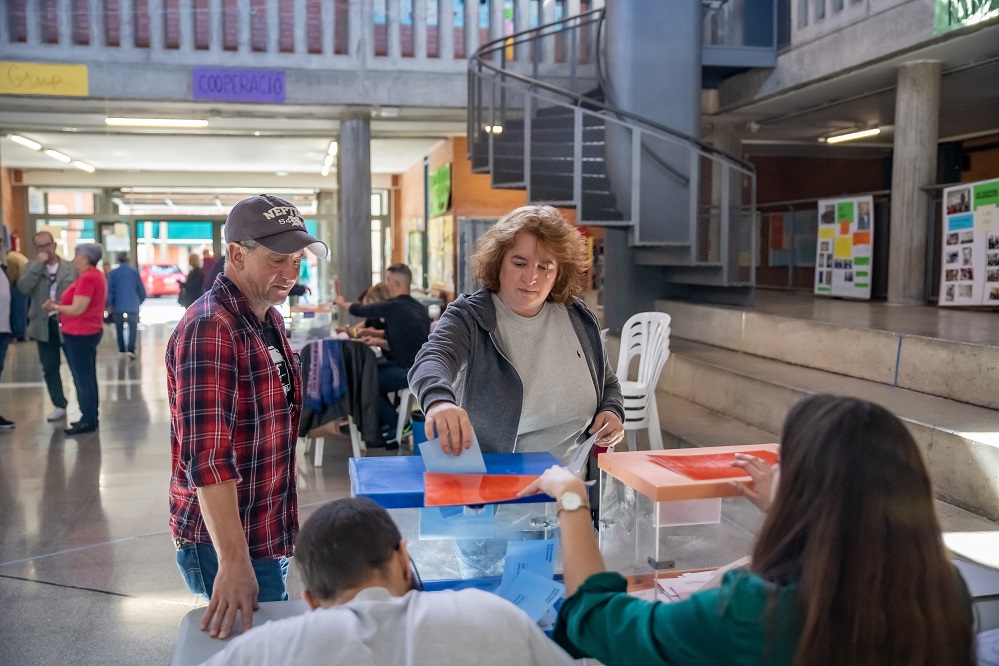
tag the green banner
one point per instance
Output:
(955, 14)
(987, 194)
(440, 191)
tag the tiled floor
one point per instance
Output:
(87, 571)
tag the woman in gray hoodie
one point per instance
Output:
(520, 359)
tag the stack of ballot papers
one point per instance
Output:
(528, 580)
(684, 585)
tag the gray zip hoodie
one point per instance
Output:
(462, 363)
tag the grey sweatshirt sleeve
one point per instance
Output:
(441, 359)
(612, 398)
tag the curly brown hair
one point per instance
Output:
(559, 238)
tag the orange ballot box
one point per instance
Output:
(662, 509)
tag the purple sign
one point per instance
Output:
(238, 85)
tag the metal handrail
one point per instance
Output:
(478, 61)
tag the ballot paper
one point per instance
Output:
(537, 556)
(547, 621)
(988, 648)
(532, 593)
(469, 462)
(681, 587)
(458, 489)
(579, 452)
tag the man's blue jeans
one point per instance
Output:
(132, 320)
(390, 378)
(199, 565)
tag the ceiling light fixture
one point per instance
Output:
(56, 155)
(83, 166)
(325, 171)
(333, 148)
(156, 122)
(27, 143)
(328, 161)
(494, 129)
(852, 136)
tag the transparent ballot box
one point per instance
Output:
(457, 543)
(662, 510)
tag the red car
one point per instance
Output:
(160, 279)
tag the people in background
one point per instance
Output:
(6, 309)
(848, 568)
(125, 294)
(407, 326)
(523, 344)
(368, 606)
(372, 326)
(210, 268)
(81, 317)
(235, 400)
(47, 278)
(193, 286)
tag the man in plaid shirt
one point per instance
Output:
(235, 401)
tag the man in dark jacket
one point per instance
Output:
(407, 327)
(125, 294)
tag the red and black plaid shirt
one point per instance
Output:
(230, 419)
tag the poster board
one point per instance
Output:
(845, 247)
(969, 260)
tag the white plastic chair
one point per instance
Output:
(318, 444)
(405, 413)
(646, 336)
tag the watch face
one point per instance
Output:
(571, 501)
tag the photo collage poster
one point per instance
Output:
(845, 247)
(969, 262)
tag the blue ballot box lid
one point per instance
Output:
(396, 482)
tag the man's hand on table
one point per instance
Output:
(235, 590)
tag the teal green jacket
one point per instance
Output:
(726, 625)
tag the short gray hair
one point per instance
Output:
(92, 251)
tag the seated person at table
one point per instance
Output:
(848, 568)
(368, 608)
(407, 326)
(372, 327)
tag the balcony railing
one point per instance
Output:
(432, 35)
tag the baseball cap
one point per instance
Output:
(272, 222)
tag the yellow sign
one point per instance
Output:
(36, 78)
(827, 232)
(843, 248)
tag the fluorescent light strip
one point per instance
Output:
(155, 122)
(84, 166)
(852, 136)
(325, 171)
(27, 143)
(333, 148)
(56, 155)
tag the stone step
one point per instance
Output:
(959, 441)
(950, 369)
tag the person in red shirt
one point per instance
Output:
(235, 401)
(81, 320)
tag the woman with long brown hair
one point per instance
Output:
(849, 567)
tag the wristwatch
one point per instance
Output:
(570, 501)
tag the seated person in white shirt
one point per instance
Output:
(367, 607)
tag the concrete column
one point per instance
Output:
(353, 234)
(917, 105)
(445, 30)
(640, 37)
(725, 136)
(245, 26)
(420, 29)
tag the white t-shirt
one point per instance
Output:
(559, 397)
(434, 628)
(52, 270)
